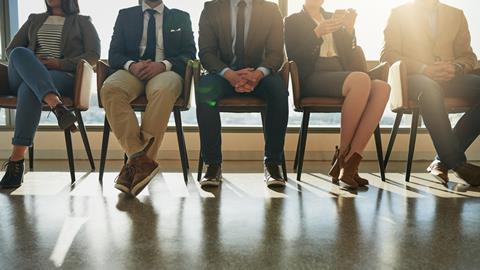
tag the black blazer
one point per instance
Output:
(79, 39)
(177, 38)
(303, 46)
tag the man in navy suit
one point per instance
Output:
(150, 47)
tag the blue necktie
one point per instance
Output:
(151, 49)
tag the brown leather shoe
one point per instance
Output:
(469, 172)
(213, 176)
(439, 170)
(145, 170)
(273, 176)
(125, 178)
(348, 169)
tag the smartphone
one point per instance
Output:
(340, 14)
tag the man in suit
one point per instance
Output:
(150, 47)
(242, 48)
(433, 40)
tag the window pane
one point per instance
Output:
(2, 117)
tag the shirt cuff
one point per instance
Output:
(264, 70)
(127, 65)
(222, 73)
(168, 65)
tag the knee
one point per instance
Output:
(361, 81)
(20, 53)
(381, 89)
(209, 89)
(110, 92)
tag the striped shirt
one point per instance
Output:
(49, 38)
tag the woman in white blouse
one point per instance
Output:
(42, 59)
(322, 43)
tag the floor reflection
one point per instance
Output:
(312, 224)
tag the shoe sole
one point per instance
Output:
(211, 184)
(122, 188)
(440, 179)
(276, 184)
(142, 184)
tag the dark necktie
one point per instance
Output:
(240, 36)
(151, 49)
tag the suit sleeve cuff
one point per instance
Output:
(168, 65)
(222, 73)
(127, 65)
(264, 70)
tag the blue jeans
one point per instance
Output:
(450, 144)
(31, 81)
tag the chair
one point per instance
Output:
(310, 105)
(401, 104)
(244, 104)
(80, 103)
(139, 105)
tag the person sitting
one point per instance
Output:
(42, 60)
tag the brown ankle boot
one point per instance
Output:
(145, 170)
(349, 170)
(335, 170)
(361, 181)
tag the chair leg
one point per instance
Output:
(86, 143)
(378, 143)
(200, 166)
(31, 151)
(103, 155)
(71, 163)
(181, 143)
(303, 143)
(393, 136)
(295, 163)
(411, 146)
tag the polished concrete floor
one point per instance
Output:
(313, 224)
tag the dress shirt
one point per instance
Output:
(160, 53)
(233, 22)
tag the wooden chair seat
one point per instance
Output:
(10, 102)
(140, 103)
(321, 103)
(453, 105)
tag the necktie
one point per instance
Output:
(151, 49)
(240, 36)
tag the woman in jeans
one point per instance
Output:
(322, 43)
(42, 60)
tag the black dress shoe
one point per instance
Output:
(13, 177)
(213, 176)
(469, 173)
(439, 170)
(273, 176)
(66, 119)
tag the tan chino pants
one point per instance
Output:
(120, 89)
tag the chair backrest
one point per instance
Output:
(397, 78)
(3, 78)
(83, 85)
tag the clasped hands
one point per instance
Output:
(244, 80)
(146, 69)
(441, 71)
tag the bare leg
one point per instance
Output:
(52, 100)
(356, 91)
(371, 117)
(18, 153)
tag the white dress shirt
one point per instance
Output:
(160, 53)
(233, 22)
